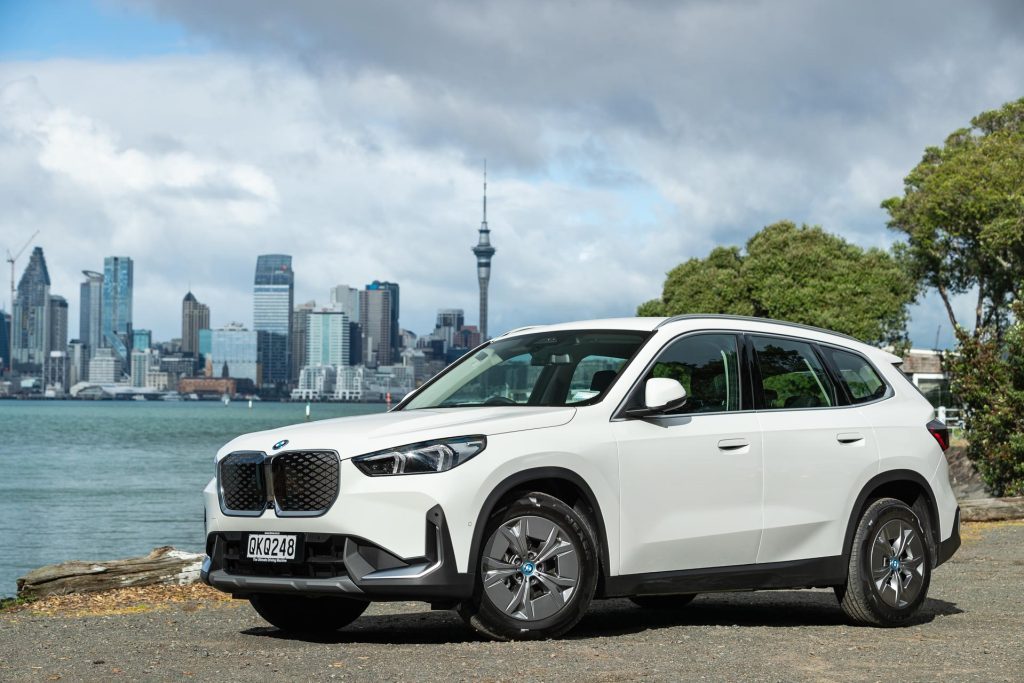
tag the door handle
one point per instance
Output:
(849, 437)
(732, 444)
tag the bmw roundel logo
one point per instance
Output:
(280, 444)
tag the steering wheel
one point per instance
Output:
(499, 401)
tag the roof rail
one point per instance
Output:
(518, 329)
(750, 318)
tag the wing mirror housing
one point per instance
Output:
(661, 395)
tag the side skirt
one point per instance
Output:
(815, 573)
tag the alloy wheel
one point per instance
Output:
(897, 563)
(530, 567)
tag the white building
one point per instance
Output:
(316, 382)
(345, 299)
(327, 338)
(105, 367)
(348, 384)
(143, 361)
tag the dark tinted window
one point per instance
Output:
(707, 366)
(860, 379)
(791, 375)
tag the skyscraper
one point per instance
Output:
(327, 341)
(346, 300)
(30, 344)
(194, 317)
(5, 341)
(90, 319)
(375, 319)
(116, 311)
(273, 299)
(484, 251)
(395, 340)
(300, 321)
(58, 340)
(235, 348)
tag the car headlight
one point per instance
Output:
(421, 458)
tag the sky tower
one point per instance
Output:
(484, 251)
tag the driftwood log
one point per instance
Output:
(991, 509)
(164, 565)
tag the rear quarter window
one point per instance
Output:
(857, 375)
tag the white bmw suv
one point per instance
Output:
(647, 458)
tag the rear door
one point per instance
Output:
(691, 481)
(818, 448)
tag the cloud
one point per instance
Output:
(623, 138)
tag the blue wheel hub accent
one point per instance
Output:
(894, 564)
(527, 568)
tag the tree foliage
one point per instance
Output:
(988, 377)
(962, 212)
(801, 274)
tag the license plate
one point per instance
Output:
(271, 547)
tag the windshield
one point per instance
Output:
(544, 369)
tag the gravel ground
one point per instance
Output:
(971, 628)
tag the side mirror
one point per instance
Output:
(661, 395)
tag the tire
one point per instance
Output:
(545, 593)
(665, 602)
(301, 614)
(890, 566)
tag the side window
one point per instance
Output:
(860, 379)
(791, 375)
(707, 365)
(592, 376)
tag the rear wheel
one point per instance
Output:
(890, 566)
(663, 601)
(301, 614)
(537, 571)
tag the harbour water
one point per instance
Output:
(84, 480)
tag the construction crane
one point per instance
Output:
(11, 258)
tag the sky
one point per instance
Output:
(621, 139)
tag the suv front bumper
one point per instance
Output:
(334, 564)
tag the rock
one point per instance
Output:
(165, 565)
(963, 476)
(991, 509)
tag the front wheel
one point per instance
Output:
(537, 571)
(890, 566)
(301, 614)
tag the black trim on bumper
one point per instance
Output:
(343, 565)
(951, 544)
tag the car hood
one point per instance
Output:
(351, 436)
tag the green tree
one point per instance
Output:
(962, 212)
(800, 274)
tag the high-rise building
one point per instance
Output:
(142, 339)
(235, 348)
(143, 361)
(78, 362)
(58, 324)
(116, 311)
(300, 318)
(484, 251)
(394, 340)
(327, 340)
(55, 373)
(449, 322)
(375, 318)
(90, 319)
(195, 316)
(346, 300)
(104, 367)
(273, 300)
(5, 341)
(30, 345)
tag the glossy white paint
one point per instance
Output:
(705, 490)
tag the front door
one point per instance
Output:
(691, 482)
